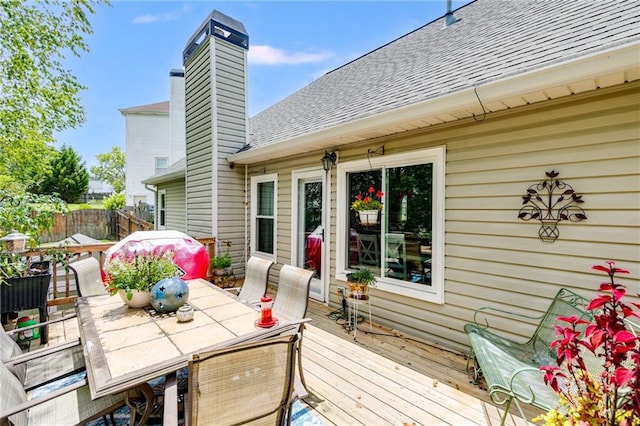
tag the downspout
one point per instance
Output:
(155, 201)
(246, 213)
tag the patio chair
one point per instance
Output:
(88, 277)
(396, 259)
(290, 304)
(70, 404)
(255, 279)
(248, 383)
(368, 251)
(44, 365)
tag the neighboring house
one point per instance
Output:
(454, 123)
(154, 140)
(96, 186)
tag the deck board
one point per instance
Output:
(382, 378)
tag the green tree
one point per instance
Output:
(65, 175)
(38, 95)
(115, 202)
(111, 168)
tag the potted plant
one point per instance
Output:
(359, 282)
(222, 270)
(368, 206)
(24, 283)
(133, 276)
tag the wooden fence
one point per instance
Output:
(99, 224)
(96, 223)
(127, 223)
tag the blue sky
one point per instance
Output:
(291, 43)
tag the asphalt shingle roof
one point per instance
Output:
(493, 40)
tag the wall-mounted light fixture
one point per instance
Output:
(328, 160)
(551, 201)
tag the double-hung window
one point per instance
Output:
(162, 209)
(403, 243)
(263, 213)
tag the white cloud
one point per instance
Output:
(164, 17)
(145, 19)
(267, 55)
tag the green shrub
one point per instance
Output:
(115, 202)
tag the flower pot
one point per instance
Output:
(24, 293)
(224, 277)
(368, 217)
(139, 298)
(358, 290)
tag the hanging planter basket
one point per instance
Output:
(368, 217)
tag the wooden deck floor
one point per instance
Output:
(382, 378)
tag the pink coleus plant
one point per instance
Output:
(612, 397)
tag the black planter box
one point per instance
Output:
(26, 293)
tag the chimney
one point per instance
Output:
(176, 114)
(449, 19)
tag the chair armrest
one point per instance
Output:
(488, 309)
(170, 415)
(235, 290)
(49, 396)
(21, 359)
(40, 324)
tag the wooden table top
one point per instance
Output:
(124, 346)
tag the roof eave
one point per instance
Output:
(584, 68)
(155, 180)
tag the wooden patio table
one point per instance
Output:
(124, 346)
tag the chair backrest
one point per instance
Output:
(88, 277)
(565, 304)
(292, 296)
(396, 256)
(243, 383)
(9, 349)
(255, 279)
(12, 394)
(368, 251)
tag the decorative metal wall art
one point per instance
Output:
(551, 201)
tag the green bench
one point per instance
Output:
(512, 369)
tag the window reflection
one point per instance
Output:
(400, 247)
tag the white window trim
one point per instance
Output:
(255, 180)
(435, 292)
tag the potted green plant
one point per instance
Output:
(222, 270)
(24, 282)
(368, 206)
(133, 276)
(359, 282)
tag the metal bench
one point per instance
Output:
(512, 369)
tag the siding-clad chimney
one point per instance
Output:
(215, 66)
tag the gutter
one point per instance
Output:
(164, 178)
(585, 68)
